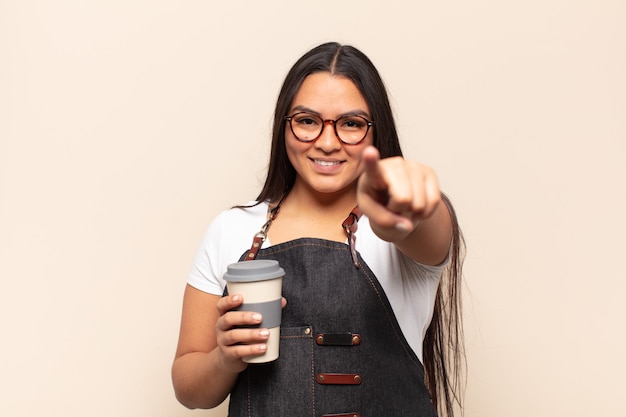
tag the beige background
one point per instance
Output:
(125, 126)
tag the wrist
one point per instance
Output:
(396, 232)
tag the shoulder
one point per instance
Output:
(228, 236)
(235, 224)
(245, 212)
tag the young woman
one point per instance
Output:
(371, 250)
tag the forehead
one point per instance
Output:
(329, 95)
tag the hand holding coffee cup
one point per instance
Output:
(260, 284)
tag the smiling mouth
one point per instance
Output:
(326, 163)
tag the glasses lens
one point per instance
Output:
(306, 127)
(352, 129)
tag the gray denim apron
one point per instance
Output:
(342, 352)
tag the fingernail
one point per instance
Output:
(264, 332)
(236, 298)
(403, 227)
(257, 316)
(263, 347)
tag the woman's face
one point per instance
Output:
(327, 165)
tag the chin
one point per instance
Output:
(332, 188)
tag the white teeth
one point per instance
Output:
(326, 163)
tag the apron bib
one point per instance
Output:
(342, 352)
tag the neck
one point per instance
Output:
(306, 213)
(304, 198)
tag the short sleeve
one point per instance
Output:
(204, 274)
(228, 236)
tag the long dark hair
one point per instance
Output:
(341, 60)
(443, 342)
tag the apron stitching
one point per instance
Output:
(312, 377)
(249, 399)
(390, 319)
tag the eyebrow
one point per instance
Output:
(350, 113)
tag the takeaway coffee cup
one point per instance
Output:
(260, 283)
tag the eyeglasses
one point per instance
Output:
(307, 127)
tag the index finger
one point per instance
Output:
(371, 158)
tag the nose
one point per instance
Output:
(328, 140)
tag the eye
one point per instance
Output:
(306, 120)
(352, 123)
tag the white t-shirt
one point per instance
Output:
(410, 286)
